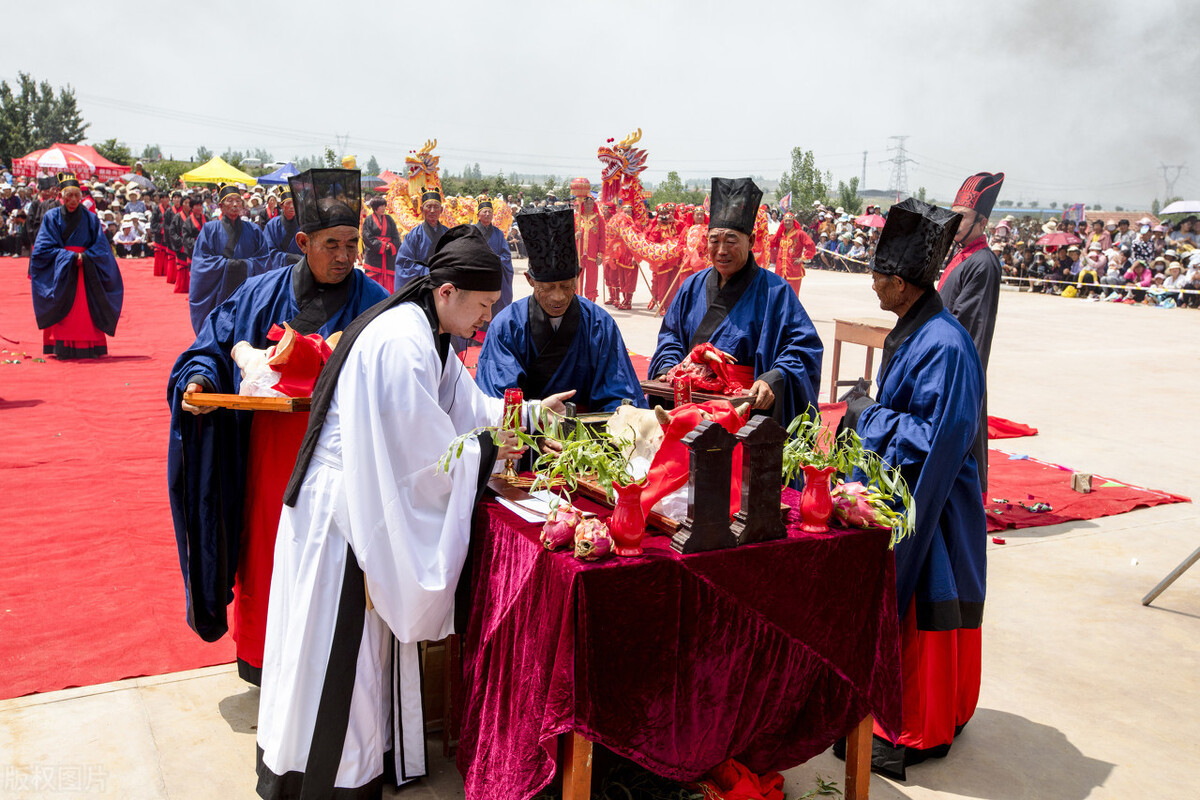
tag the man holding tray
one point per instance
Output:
(227, 470)
(746, 311)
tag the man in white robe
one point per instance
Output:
(373, 536)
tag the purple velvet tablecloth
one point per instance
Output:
(766, 653)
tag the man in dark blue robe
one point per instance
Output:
(280, 233)
(207, 454)
(499, 245)
(228, 251)
(924, 422)
(77, 287)
(555, 340)
(418, 243)
(746, 311)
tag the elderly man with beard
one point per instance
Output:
(77, 287)
(923, 421)
(226, 471)
(228, 251)
(746, 311)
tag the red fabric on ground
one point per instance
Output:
(1013, 481)
(1001, 428)
(88, 564)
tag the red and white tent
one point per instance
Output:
(81, 159)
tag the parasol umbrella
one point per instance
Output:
(870, 221)
(1182, 207)
(140, 180)
(373, 182)
(1058, 239)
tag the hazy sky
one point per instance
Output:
(1075, 101)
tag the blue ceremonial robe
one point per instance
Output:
(54, 270)
(586, 354)
(757, 319)
(206, 455)
(499, 245)
(219, 266)
(929, 402)
(415, 251)
(280, 235)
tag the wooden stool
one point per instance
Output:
(868, 332)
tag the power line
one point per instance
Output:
(900, 161)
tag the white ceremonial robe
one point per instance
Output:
(373, 485)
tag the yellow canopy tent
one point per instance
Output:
(217, 170)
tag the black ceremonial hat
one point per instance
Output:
(485, 203)
(227, 190)
(47, 182)
(327, 198)
(431, 194)
(550, 241)
(734, 204)
(914, 241)
(979, 192)
(66, 179)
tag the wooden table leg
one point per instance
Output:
(834, 369)
(577, 767)
(858, 760)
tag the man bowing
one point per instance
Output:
(374, 533)
(744, 310)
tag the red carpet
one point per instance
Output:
(1017, 482)
(90, 574)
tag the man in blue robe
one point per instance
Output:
(207, 454)
(924, 421)
(746, 311)
(555, 340)
(419, 243)
(228, 251)
(496, 241)
(77, 287)
(280, 233)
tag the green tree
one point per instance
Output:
(373, 166)
(262, 154)
(672, 190)
(33, 116)
(117, 152)
(203, 154)
(233, 157)
(1155, 207)
(1119, 208)
(921, 194)
(307, 162)
(1097, 207)
(151, 152)
(805, 182)
(848, 197)
(331, 159)
(1054, 205)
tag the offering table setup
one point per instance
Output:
(761, 635)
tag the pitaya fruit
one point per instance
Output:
(559, 529)
(856, 506)
(592, 540)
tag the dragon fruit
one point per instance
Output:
(592, 540)
(559, 529)
(858, 507)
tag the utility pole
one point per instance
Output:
(863, 185)
(1169, 183)
(898, 182)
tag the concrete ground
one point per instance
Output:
(1086, 693)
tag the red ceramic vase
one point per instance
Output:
(627, 525)
(816, 504)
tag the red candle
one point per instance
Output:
(513, 400)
